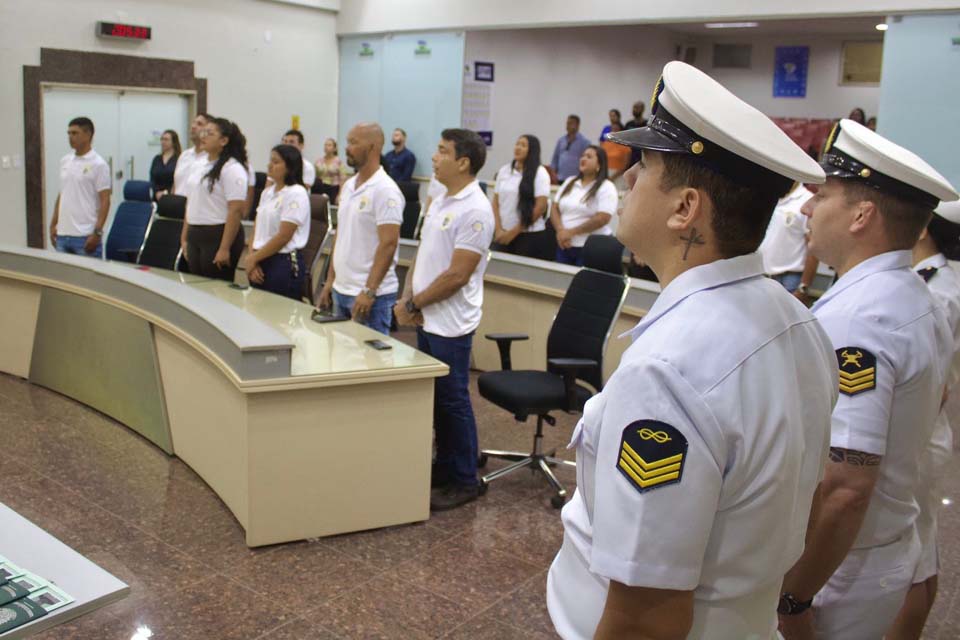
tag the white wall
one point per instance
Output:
(374, 16)
(256, 83)
(542, 75)
(826, 98)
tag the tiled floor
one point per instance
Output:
(476, 572)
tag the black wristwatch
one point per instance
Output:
(412, 308)
(790, 606)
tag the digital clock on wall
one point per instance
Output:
(122, 31)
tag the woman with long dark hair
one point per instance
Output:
(164, 164)
(216, 190)
(584, 206)
(282, 227)
(520, 203)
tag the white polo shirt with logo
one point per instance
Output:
(507, 189)
(289, 204)
(461, 221)
(784, 247)
(309, 174)
(210, 207)
(362, 209)
(575, 209)
(82, 178)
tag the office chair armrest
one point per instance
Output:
(568, 368)
(504, 340)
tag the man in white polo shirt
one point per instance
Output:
(84, 200)
(444, 296)
(294, 138)
(784, 247)
(362, 279)
(191, 156)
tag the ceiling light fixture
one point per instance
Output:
(882, 26)
(731, 25)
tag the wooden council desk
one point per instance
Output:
(300, 428)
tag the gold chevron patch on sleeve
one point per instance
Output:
(858, 370)
(652, 455)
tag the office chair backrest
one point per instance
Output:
(172, 206)
(258, 186)
(318, 231)
(603, 253)
(588, 311)
(161, 248)
(130, 222)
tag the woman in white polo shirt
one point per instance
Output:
(216, 191)
(282, 227)
(584, 205)
(520, 203)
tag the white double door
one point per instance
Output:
(128, 125)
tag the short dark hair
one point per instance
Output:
(294, 161)
(741, 214)
(946, 235)
(467, 144)
(294, 132)
(904, 220)
(401, 131)
(84, 123)
(206, 116)
(616, 111)
(574, 116)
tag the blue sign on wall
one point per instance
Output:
(790, 72)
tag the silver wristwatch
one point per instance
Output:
(370, 293)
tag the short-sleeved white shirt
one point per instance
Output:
(461, 221)
(209, 207)
(362, 209)
(184, 167)
(309, 174)
(893, 346)
(726, 416)
(82, 178)
(784, 247)
(290, 204)
(507, 188)
(574, 211)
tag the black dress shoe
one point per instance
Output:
(439, 478)
(452, 496)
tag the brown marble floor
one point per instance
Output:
(476, 572)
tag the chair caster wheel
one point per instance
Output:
(558, 501)
(482, 460)
(482, 487)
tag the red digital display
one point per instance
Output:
(125, 31)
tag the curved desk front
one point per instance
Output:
(301, 428)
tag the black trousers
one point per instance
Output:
(203, 242)
(534, 244)
(283, 274)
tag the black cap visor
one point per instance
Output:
(647, 138)
(837, 164)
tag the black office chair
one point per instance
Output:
(318, 233)
(411, 210)
(575, 349)
(161, 245)
(258, 187)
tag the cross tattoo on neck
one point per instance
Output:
(692, 239)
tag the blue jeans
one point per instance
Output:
(74, 245)
(790, 280)
(572, 256)
(455, 428)
(380, 314)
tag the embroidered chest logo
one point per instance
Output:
(364, 203)
(446, 222)
(652, 455)
(858, 370)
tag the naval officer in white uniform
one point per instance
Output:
(893, 346)
(697, 463)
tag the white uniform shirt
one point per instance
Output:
(730, 411)
(507, 189)
(362, 209)
(82, 178)
(309, 174)
(206, 207)
(461, 221)
(290, 204)
(784, 247)
(184, 168)
(574, 211)
(893, 346)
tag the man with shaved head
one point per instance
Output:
(362, 280)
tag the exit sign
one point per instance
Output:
(123, 31)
